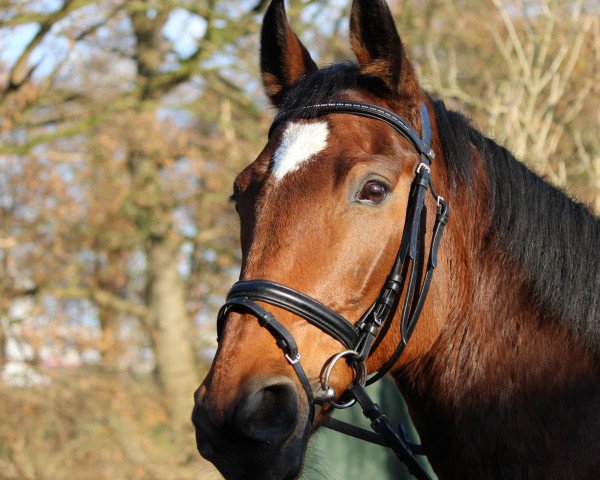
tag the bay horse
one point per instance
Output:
(502, 370)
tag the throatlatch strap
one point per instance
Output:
(441, 221)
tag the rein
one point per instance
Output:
(409, 274)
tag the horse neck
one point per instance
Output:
(501, 370)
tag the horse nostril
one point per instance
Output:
(196, 413)
(269, 414)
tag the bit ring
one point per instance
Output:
(360, 375)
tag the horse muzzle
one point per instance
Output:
(260, 435)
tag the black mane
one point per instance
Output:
(553, 239)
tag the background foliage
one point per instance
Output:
(122, 126)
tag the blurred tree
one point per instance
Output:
(114, 166)
(2, 342)
(527, 72)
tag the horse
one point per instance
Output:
(502, 371)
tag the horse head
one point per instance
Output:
(323, 211)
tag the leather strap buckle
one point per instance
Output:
(423, 166)
(293, 361)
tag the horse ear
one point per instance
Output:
(378, 48)
(283, 58)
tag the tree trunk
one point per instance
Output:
(2, 346)
(168, 318)
(110, 346)
(172, 329)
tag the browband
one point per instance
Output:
(422, 145)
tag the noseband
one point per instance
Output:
(409, 274)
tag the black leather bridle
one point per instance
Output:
(409, 274)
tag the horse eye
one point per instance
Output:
(373, 191)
